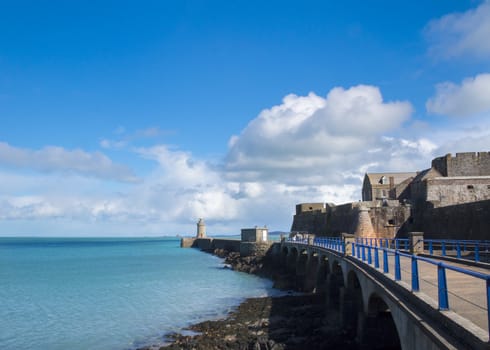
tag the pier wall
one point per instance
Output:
(230, 245)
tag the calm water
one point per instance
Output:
(110, 293)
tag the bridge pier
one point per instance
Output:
(334, 282)
(301, 265)
(321, 274)
(312, 264)
(351, 304)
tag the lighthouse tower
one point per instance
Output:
(201, 229)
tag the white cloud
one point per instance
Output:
(470, 98)
(313, 140)
(460, 34)
(306, 149)
(58, 159)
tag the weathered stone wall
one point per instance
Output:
(309, 207)
(251, 248)
(463, 164)
(463, 221)
(312, 222)
(383, 219)
(231, 245)
(450, 191)
(342, 218)
(187, 242)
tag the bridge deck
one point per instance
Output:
(467, 294)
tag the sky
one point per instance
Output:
(136, 118)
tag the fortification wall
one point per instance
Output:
(231, 245)
(463, 221)
(312, 222)
(450, 191)
(383, 219)
(463, 164)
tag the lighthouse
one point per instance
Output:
(201, 229)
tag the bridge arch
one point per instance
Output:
(301, 268)
(379, 323)
(352, 304)
(335, 282)
(292, 258)
(322, 273)
(311, 271)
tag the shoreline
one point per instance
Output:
(298, 321)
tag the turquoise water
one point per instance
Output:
(110, 293)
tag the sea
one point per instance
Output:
(111, 293)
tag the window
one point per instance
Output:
(470, 187)
(391, 222)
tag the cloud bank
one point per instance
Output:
(58, 159)
(311, 140)
(471, 97)
(461, 34)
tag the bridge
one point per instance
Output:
(409, 294)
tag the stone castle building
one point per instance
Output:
(451, 199)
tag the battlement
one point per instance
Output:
(463, 164)
(310, 207)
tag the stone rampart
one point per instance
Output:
(463, 164)
(383, 219)
(462, 221)
(230, 245)
(252, 248)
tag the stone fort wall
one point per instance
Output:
(463, 164)
(462, 221)
(366, 219)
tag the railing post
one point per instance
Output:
(348, 241)
(353, 249)
(398, 274)
(397, 244)
(363, 252)
(458, 250)
(477, 253)
(431, 249)
(488, 303)
(376, 258)
(443, 247)
(442, 287)
(385, 261)
(415, 274)
(416, 240)
(369, 255)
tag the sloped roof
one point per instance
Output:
(426, 174)
(375, 178)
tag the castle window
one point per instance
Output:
(470, 187)
(391, 222)
(382, 180)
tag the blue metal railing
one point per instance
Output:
(461, 249)
(393, 243)
(368, 250)
(443, 300)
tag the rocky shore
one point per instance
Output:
(269, 323)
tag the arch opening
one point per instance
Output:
(379, 329)
(351, 305)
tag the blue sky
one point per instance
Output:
(136, 118)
